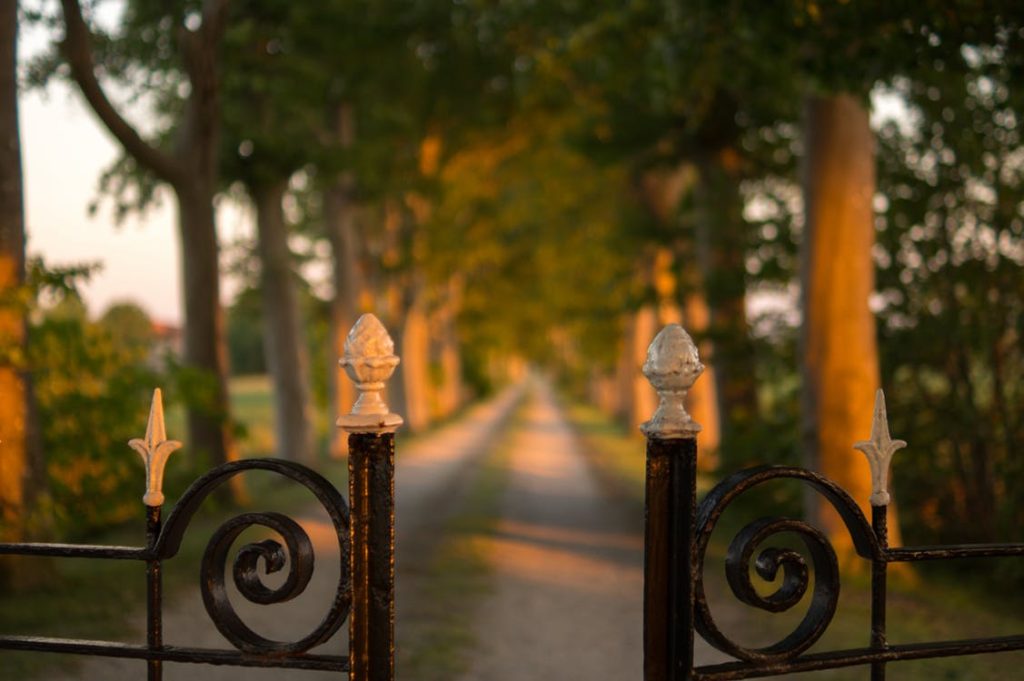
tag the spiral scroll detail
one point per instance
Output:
(294, 552)
(796, 573)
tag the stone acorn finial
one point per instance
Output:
(879, 450)
(369, 360)
(672, 366)
(155, 449)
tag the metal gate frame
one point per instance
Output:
(677, 533)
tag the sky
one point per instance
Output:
(64, 152)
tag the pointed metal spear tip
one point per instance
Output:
(156, 431)
(879, 451)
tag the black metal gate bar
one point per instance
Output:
(76, 551)
(154, 595)
(671, 466)
(371, 493)
(178, 654)
(854, 657)
(879, 577)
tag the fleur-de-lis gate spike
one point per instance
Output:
(879, 450)
(155, 449)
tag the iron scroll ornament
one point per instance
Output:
(795, 572)
(297, 553)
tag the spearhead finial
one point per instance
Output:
(672, 366)
(879, 450)
(155, 449)
(369, 361)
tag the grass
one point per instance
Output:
(458, 575)
(931, 605)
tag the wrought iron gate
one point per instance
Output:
(365, 532)
(677, 533)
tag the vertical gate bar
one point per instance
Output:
(154, 598)
(683, 567)
(369, 360)
(381, 470)
(879, 570)
(657, 550)
(359, 505)
(371, 494)
(670, 509)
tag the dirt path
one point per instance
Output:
(427, 472)
(568, 566)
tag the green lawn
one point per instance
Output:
(931, 604)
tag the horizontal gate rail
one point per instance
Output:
(77, 551)
(43, 644)
(860, 656)
(678, 531)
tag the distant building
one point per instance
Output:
(168, 341)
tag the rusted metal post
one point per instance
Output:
(369, 361)
(154, 595)
(672, 366)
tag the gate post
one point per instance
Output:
(369, 361)
(672, 366)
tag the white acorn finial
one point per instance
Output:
(369, 361)
(155, 449)
(672, 366)
(879, 450)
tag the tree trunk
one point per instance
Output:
(205, 349)
(414, 370)
(450, 391)
(284, 338)
(840, 353)
(22, 473)
(643, 399)
(192, 171)
(721, 246)
(702, 398)
(340, 223)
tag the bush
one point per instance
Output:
(93, 394)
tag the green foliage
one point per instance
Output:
(950, 257)
(245, 334)
(92, 393)
(537, 234)
(129, 326)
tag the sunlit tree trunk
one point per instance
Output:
(450, 391)
(415, 367)
(702, 398)
(284, 332)
(840, 353)
(643, 400)
(340, 222)
(21, 466)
